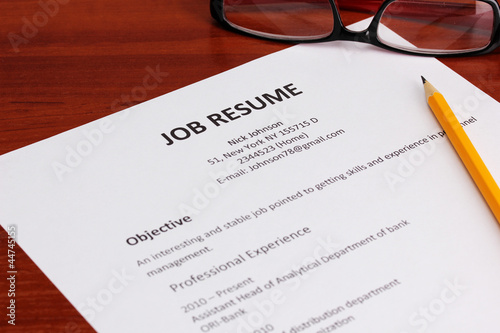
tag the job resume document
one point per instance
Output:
(311, 190)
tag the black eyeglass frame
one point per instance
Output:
(369, 35)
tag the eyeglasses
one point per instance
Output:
(425, 27)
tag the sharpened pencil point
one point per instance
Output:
(423, 79)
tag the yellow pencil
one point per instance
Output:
(464, 147)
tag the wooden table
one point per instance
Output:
(65, 63)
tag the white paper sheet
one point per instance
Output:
(350, 237)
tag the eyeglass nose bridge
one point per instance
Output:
(364, 36)
(368, 35)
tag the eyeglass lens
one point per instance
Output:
(284, 19)
(444, 26)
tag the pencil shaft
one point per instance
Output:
(465, 149)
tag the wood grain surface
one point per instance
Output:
(64, 63)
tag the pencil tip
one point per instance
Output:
(423, 79)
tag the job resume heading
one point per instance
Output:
(232, 113)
